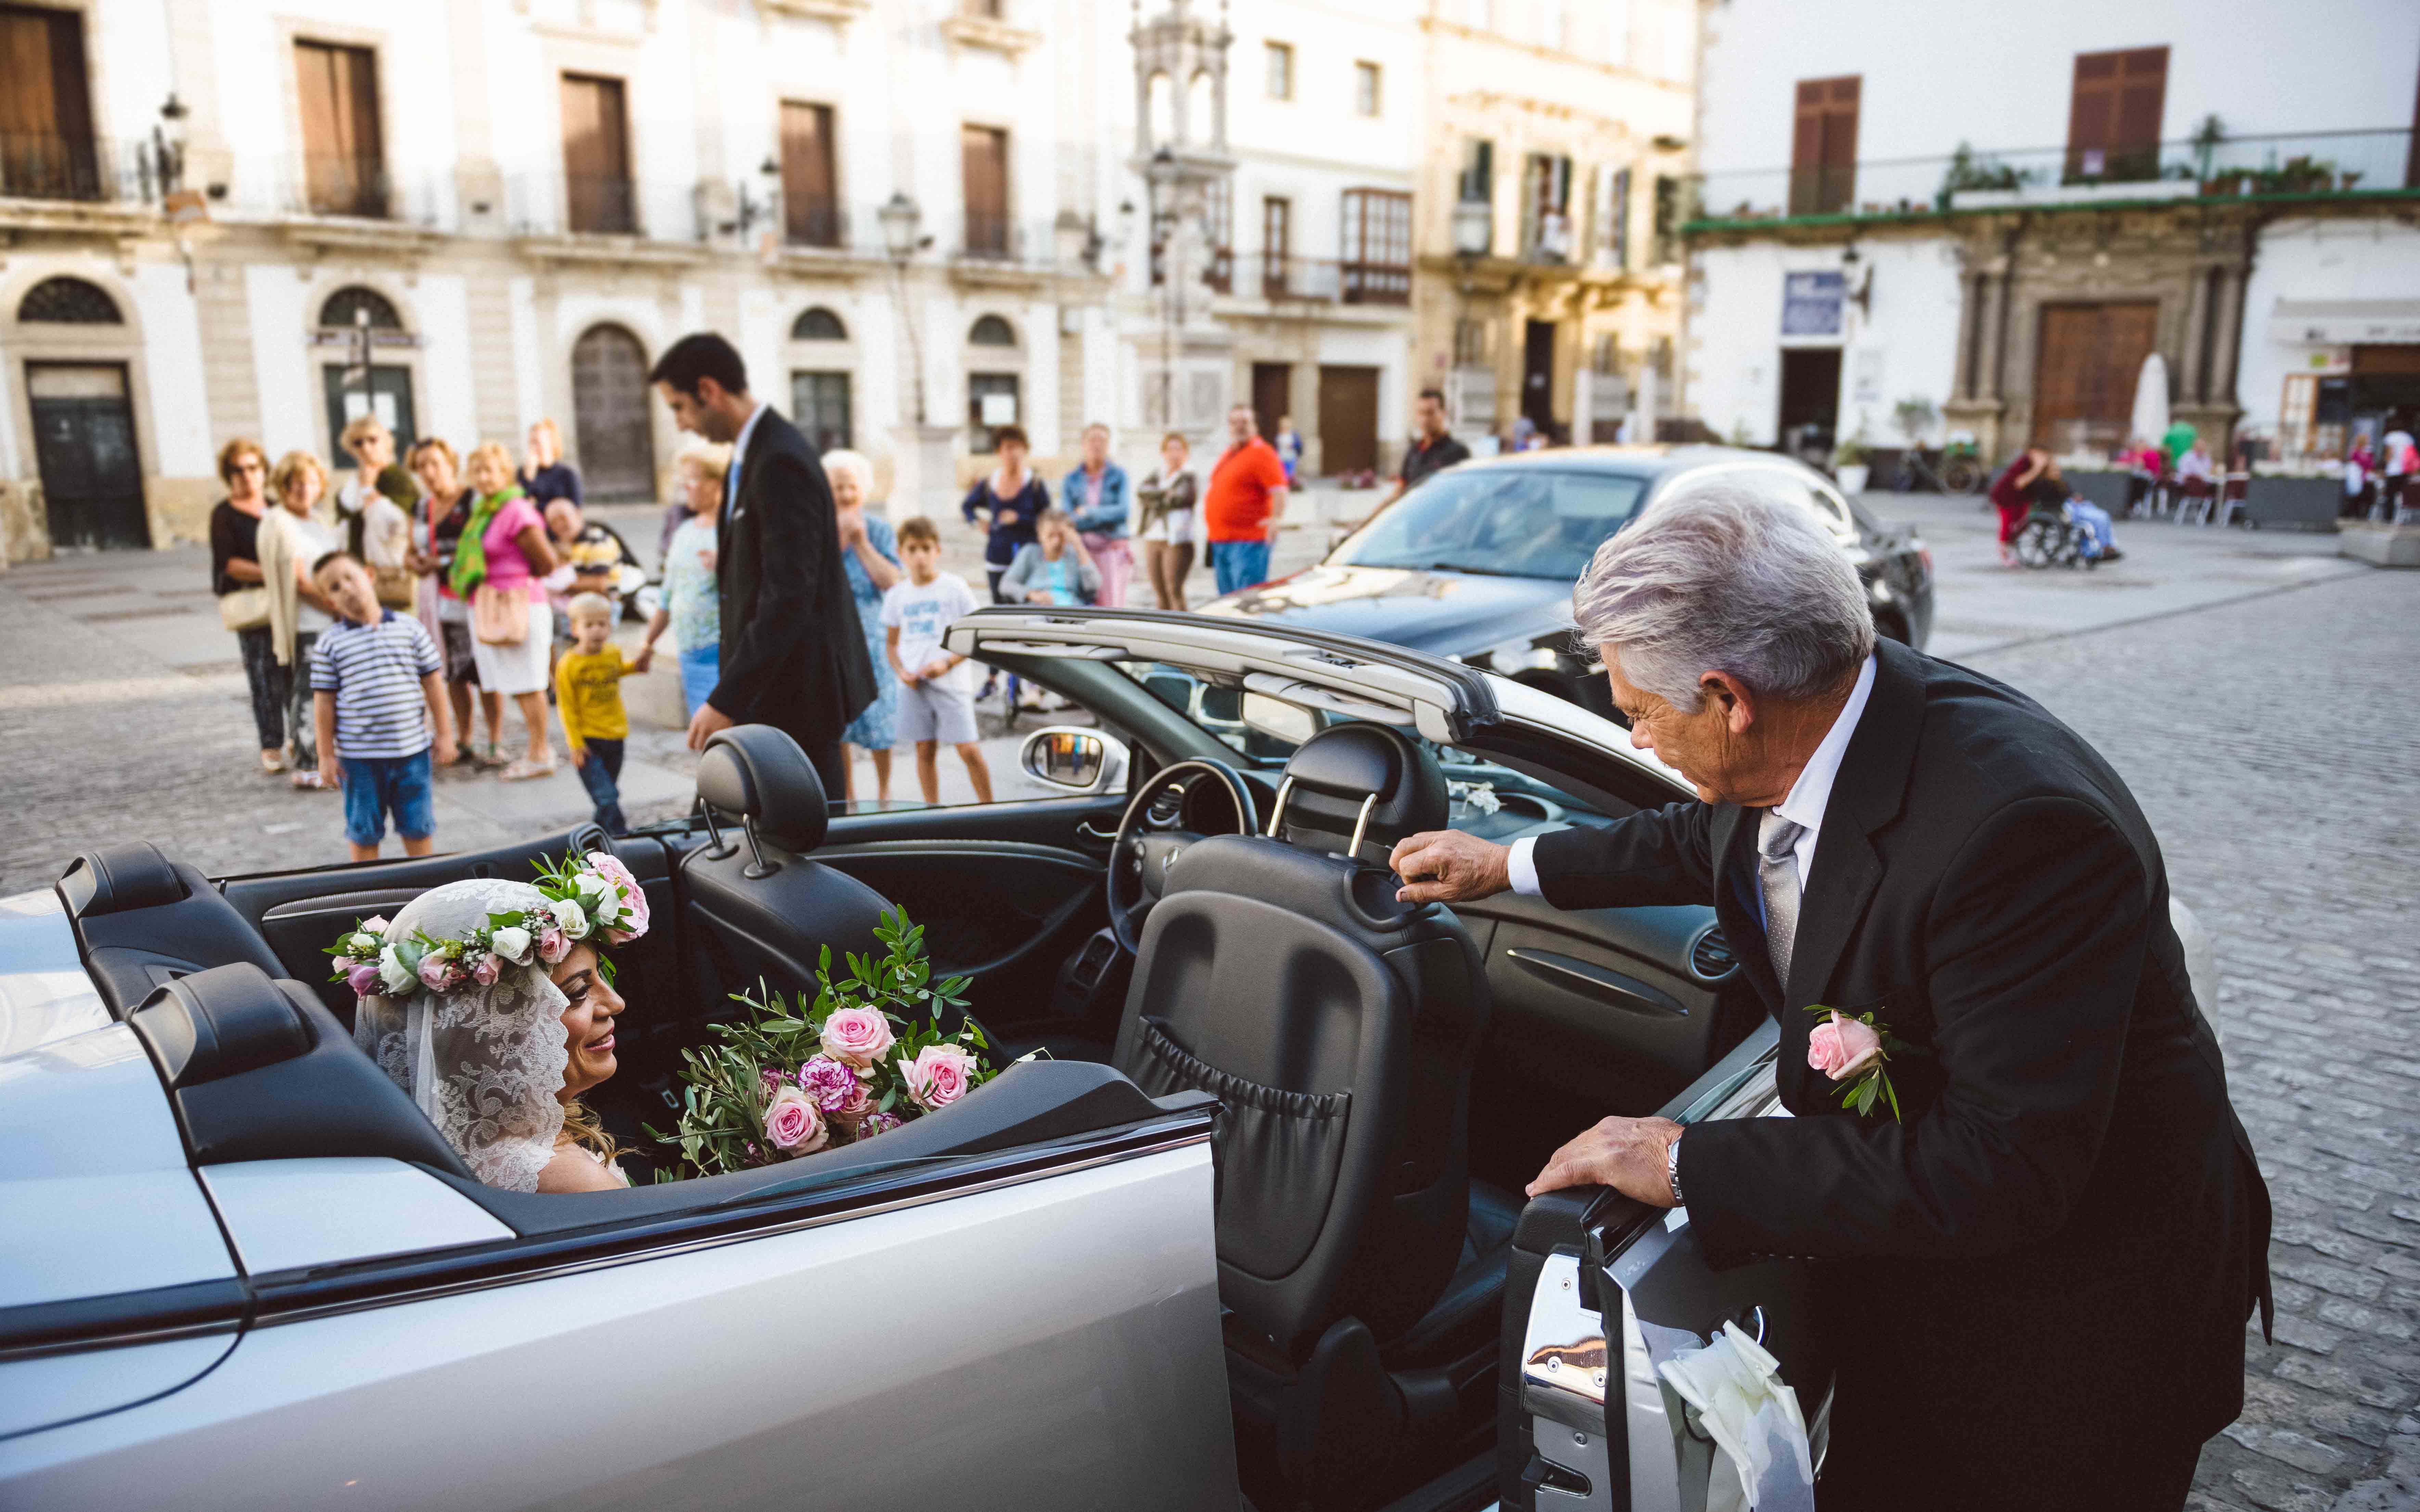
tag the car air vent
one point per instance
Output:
(1710, 958)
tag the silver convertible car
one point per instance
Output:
(1239, 1229)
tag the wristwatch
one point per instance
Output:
(1672, 1171)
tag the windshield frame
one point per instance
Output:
(1496, 480)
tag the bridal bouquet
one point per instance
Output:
(865, 1056)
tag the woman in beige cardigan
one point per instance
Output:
(298, 531)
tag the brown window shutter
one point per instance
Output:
(597, 156)
(2114, 116)
(810, 193)
(984, 151)
(2142, 96)
(1823, 145)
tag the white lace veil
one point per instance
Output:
(484, 1063)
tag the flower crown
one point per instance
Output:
(600, 899)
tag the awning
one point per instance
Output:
(2344, 322)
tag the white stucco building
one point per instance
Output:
(1996, 214)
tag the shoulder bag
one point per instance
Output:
(500, 616)
(244, 609)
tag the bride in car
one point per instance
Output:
(492, 1003)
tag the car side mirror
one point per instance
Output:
(1076, 759)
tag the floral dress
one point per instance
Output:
(691, 598)
(876, 728)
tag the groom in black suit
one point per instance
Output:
(792, 654)
(2039, 1267)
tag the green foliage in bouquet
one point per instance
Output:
(865, 1056)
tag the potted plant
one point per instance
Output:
(1849, 465)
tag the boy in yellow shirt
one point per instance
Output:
(588, 697)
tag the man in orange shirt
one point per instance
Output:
(1245, 501)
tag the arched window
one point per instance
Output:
(991, 331)
(69, 301)
(818, 324)
(345, 304)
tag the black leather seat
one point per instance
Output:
(755, 906)
(1337, 1027)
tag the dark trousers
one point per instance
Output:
(305, 750)
(832, 765)
(601, 775)
(269, 684)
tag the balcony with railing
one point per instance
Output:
(819, 223)
(2206, 168)
(1328, 280)
(72, 170)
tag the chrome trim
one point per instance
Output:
(164, 1334)
(1276, 814)
(269, 1312)
(1361, 825)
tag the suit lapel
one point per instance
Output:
(1866, 796)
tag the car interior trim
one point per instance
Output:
(294, 1297)
(1625, 993)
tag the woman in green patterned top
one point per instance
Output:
(691, 605)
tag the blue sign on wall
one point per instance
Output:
(1811, 304)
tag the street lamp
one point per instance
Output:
(168, 145)
(899, 217)
(1473, 229)
(1161, 188)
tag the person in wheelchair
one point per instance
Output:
(2063, 527)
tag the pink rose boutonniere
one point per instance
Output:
(1855, 1054)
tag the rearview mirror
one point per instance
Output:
(1076, 759)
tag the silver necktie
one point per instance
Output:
(1776, 878)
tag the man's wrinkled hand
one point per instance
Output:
(705, 723)
(1448, 866)
(1626, 1154)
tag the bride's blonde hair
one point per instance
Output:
(582, 1127)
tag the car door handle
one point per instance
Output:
(1084, 830)
(1603, 983)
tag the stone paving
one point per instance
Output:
(2256, 691)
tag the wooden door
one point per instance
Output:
(2085, 371)
(343, 158)
(1272, 397)
(810, 186)
(1348, 419)
(46, 146)
(1823, 145)
(597, 156)
(1538, 374)
(610, 417)
(83, 449)
(984, 153)
(2113, 116)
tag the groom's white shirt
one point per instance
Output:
(739, 458)
(1808, 796)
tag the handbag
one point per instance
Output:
(244, 609)
(397, 587)
(500, 616)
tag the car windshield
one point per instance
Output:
(1515, 522)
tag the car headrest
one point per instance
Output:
(1336, 770)
(755, 771)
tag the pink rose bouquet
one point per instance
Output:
(794, 1123)
(858, 1036)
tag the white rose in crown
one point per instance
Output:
(363, 944)
(569, 918)
(397, 978)
(512, 944)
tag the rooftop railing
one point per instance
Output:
(2204, 167)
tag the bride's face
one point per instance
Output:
(587, 1021)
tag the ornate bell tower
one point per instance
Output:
(1184, 356)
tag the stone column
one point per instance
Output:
(2225, 335)
(1997, 275)
(2188, 386)
(1970, 330)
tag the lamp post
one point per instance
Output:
(899, 217)
(1159, 183)
(168, 145)
(1473, 229)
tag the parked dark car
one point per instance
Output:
(1478, 562)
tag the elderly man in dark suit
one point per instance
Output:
(792, 654)
(2040, 1256)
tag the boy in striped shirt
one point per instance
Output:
(378, 690)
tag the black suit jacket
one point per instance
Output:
(2069, 1230)
(793, 653)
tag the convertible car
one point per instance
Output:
(1238, 1227)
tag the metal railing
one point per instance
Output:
(993, 238)
(335, 185)
(91, 170)
(600, 204)
(816, 223)
(1328, 279)
(2203, 167)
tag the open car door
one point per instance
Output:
(1601, 1291)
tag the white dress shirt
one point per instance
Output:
(1809, 795)
(738, 455)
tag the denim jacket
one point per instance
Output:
(1110, 520)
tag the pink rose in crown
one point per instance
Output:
(553, 945)
(858, 1036)
(939, 1077)
(634, 897)
(487, 969)
(1842, 1048)
(363, 977)
(832, 1085)
(793, 1123)
(375, 924)
(436, 972)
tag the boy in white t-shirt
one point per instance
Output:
(935, 703)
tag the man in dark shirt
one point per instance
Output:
(1432, 449)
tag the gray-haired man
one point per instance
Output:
(2044, 1258)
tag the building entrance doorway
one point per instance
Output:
(2084, 379)
(609, 411)
(1538, 375)
(1348, 419)
(83, 448)
(1810, 400)
(388, 397)
(1272, 397)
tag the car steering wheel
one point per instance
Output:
(1138, 862)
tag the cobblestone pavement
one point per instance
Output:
(2270, 742)
(2260, 700)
